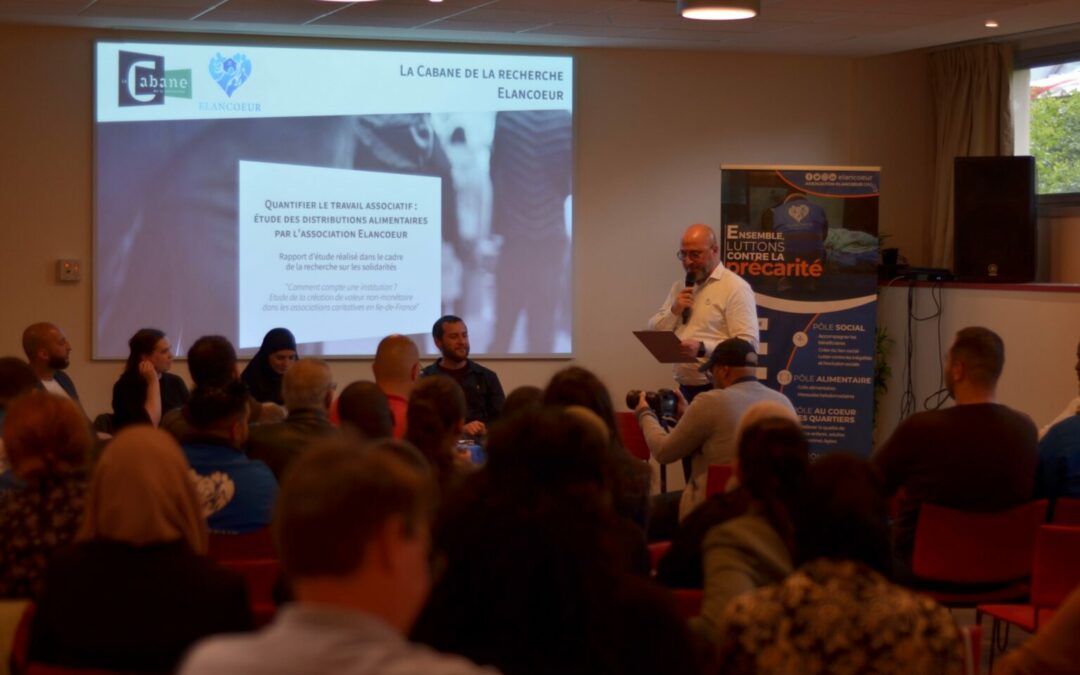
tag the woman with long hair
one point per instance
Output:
(47, 441)
(436, 419)
(146, 389)
(758, 547)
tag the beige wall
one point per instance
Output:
(653, 128)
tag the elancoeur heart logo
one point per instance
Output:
(230, 72)
(798, 212)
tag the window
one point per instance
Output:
(1046, 114)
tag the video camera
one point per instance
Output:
(664, 402)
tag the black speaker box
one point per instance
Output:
(994, 225)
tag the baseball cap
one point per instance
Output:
(734, 352)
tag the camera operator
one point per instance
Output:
(705, 431)
(708, 305)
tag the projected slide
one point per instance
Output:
(343, 194)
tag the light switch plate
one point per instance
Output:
(68, 269)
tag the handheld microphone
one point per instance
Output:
(689, 284)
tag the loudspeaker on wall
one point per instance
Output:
(994, 221)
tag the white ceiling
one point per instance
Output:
(833, 27)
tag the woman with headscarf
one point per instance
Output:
(137, 590)
(263, 374)
(147, 390)
(47, 440)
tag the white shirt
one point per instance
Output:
(723, 308)
(53, 387)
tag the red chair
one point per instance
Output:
(1067, 511)
(255, 545)
(971, 636)
(965, 547)
(20, 643)
(634, 442)
(260, 577)
(688, 600)
(1055, 573)
(717, 479)
(657, 550)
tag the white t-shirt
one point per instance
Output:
(53, 387)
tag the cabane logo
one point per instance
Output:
(230, 72)
(144, 80)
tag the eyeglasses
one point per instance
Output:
(692, 255)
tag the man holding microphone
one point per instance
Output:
(708, 306)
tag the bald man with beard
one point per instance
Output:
(48, 352)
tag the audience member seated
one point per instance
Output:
(1053, 650)
(353, 527)
(136, 591)
(837, 613)
(436, 419)
(147, 390)
(16, 379)
(47, 441)
(1072, 408)
(483, 391)
(396, 369)
(681, 565)
(629, 477)
(307, 389)
(211, 361)
(264, 372)
(1058, 473)
(236, 493)
(49, 354)
(978, 455)
(706, 431)
(755, 549)
(533, 579)
(365, 412)
(522, 397)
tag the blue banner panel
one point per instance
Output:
(805, 238)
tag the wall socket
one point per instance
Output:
(68, 269)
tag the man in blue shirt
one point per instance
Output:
(483, 392)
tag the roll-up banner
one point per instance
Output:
(805, 238)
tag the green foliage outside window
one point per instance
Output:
(1055, 142)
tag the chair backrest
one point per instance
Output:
(1056, 570)
(971, 637)
(717, 479)
(1067, 511)
(632, 438)
(976, 547)
(15, 619)
(657, 550)
(260, 577)
(255, 545)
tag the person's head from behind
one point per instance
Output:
(149, 344)
(842, 514)
(974, 362)
(436, 415)
(730, 361)
(773, 460)
(212, 361)
(308, 384)
(363, 409)
(550, 449)
(46, 345)
(141, 493)
(16, 378)
(451, 338)
(397, 362)
(45, 435)
(352, 528)
(525, 396)
(578, 386)
(221, 412)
